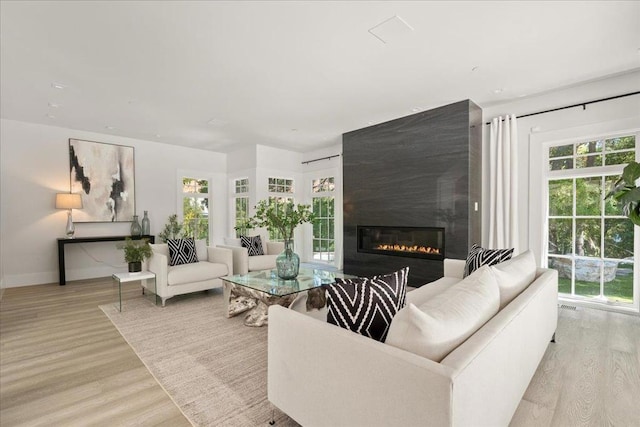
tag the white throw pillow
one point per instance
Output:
(230, 241)
(445, 321)
(201, 250)
(514, 276)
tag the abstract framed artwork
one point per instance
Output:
(104, 175)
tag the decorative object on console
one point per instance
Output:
(136, 229)
(283, 216)
(367, 305)
(136, 251)
(625, 192)
(69, 201)
(253, 245)
(182, 251)
(103, 174)
(479, 256)
(172, 229)
(146, 224)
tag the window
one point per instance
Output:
(242, 206)
(275, 235)
(590, 242)
(324, 224)
(277, 187)
(280, 185)
(195, 208)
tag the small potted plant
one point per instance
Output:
(136, 251)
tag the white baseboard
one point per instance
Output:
(31, 279)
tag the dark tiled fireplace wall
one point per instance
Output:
(423, 170)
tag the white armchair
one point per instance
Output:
(243, 263)
(214, 263)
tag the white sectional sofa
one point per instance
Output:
(322, 375)
(213, 264)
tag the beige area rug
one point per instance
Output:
(214, 368)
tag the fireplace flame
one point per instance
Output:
(404, 248)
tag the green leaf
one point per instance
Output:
(631, 173)
(629, 196)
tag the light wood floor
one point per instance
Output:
(62, 362)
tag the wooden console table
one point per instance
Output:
(66, 241)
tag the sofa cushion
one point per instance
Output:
(263, 262)
(231, 241)
(479, 256)
(182, 251)
(253, 245)
(514, 276)
(428, 291)
(201, 250)
(195, 272)
(367, 305)
(445, 321)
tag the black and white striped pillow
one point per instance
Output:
(253, 245)
(367, 305)
(479, 256)
(182, 251)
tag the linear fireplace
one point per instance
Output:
(414, 242)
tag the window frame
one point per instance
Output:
(602, 172)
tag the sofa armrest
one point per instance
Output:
(454, 268)
(240, 257)
(313, 365)
(221, 256)
(158, 264)
(274, 248)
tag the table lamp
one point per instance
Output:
(69, 201)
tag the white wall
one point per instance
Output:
(35, 166)
(600, 117)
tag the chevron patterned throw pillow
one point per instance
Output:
(479, 256)
(253, 245)
(367, 305)
(182, 251)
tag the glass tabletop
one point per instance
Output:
(268, 281)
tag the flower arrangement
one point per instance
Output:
(283, 216)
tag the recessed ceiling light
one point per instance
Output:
(476, 68)
(54, 105)
(499, 90)
(415, 109)
(51, 116)
(57, 86)
(370, 123)
(294, 130)
(109, 127)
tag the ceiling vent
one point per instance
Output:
(393, 29)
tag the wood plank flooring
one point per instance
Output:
(63, 363)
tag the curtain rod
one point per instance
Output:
(306, 162)
(581, 104)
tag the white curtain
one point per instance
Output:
(503, 172)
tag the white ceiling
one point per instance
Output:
(291, 74)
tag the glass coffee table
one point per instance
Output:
(256, 291)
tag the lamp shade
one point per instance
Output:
(68, 201)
